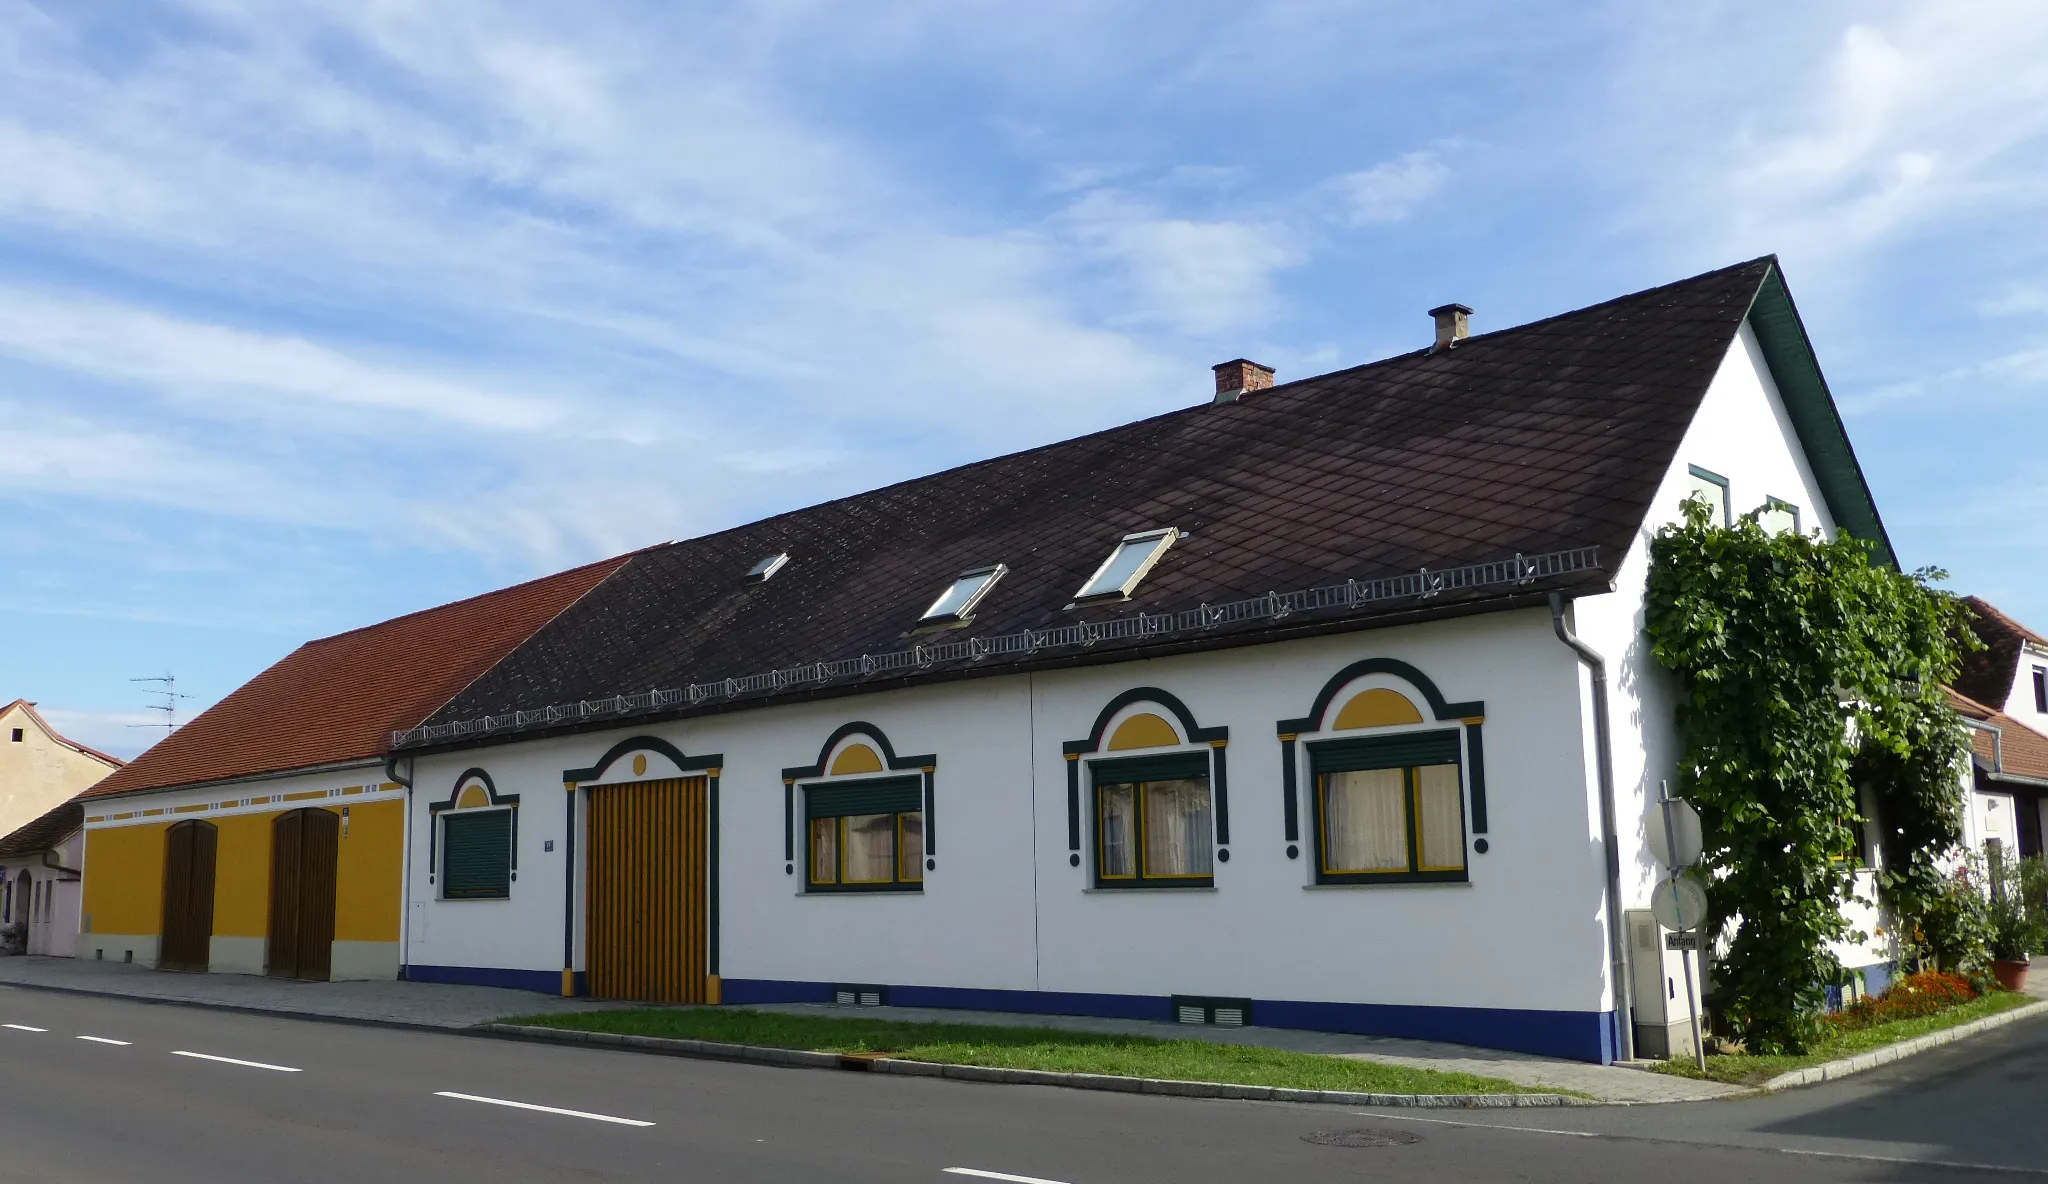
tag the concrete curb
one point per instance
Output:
(711, 1050)
(1863, 1062)
(276, 1013)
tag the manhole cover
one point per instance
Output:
(1362, 1137)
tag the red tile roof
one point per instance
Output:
(112, 761)
(339, 699)
(2017, 749)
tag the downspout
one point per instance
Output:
(391, 773)
(1603, 756)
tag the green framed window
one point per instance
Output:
(1779, 516)
(1712, 488)
(1155, 822)
(1389, 809)
(476, 855)
(865, 836)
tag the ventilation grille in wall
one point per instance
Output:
(1203, 1009)
(856, 995)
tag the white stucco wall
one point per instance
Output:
(1741, 433)
(1004, 909)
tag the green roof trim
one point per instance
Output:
(1789, 354)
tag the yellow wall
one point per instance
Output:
(241, 875)
(369, 886)
(124, 878)
(124, 875)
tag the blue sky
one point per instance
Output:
(314, 314)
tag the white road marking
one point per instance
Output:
(105, 1040)
(978, 1173)
(442, 1093)
(202, 1056)
(23, 1028)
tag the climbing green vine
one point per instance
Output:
(1805, 668)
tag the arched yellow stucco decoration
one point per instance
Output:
(856, 758)
(639, 764)
(472, 796)
(1144, 730)
(1377, 708)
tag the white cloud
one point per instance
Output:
(1390, 191)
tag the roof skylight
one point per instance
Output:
(966, 591)
(1128, 564)
(760, 572)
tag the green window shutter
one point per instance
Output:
(1386, 752)
(1175, 767)
(476, 855)
(886, 795)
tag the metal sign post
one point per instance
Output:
(1692, 1009)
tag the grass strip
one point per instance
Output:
(1049, 1049)
(1743, 1069)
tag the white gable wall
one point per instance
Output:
(1742, 433)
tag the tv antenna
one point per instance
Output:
(169, 706)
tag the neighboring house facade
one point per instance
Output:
(2003, 693)
(39, 768)
(39, 880)
(266, 836)
(1326, 705)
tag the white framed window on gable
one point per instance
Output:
(1157, 795)
(1394, 778)
(473, 840)
(862, 815)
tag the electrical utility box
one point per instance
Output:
(1663, 1028)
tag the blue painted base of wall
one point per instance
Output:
(1577, 1035)
(548, 982)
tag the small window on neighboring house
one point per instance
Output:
(1711, 488)
(865, 836)
(17, 731)
(1779, 516)
(1154, 822)
(476, 854)
(2040, 690)
(966, 591)
(1128, 564)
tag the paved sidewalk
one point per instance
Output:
(427, 1005)
(1607, 1083)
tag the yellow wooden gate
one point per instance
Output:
(647, 899)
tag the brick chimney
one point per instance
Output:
(1453, 324)
(1240, 376)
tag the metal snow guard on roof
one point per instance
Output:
(1423, 584)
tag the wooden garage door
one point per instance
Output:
(304, 847)
(647, 910)
(189, 848)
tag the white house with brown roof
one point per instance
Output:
(41, 770)
(40, 767)
(2003, 694)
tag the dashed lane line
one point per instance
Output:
(442, 1093)
(23, 1028)
(204, 1056)
(105, 1040)
(982, 1175)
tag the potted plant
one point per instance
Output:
(2018, 916)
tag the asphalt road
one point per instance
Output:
(298, 1100)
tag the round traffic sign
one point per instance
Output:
(1682, 847)
(1680, 903)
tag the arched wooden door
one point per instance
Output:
(304, 845)
(188, 895)
(647, 891)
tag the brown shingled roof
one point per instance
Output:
(1987, 675)
(339, 699)
(2017, 749)
(1530, 440)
